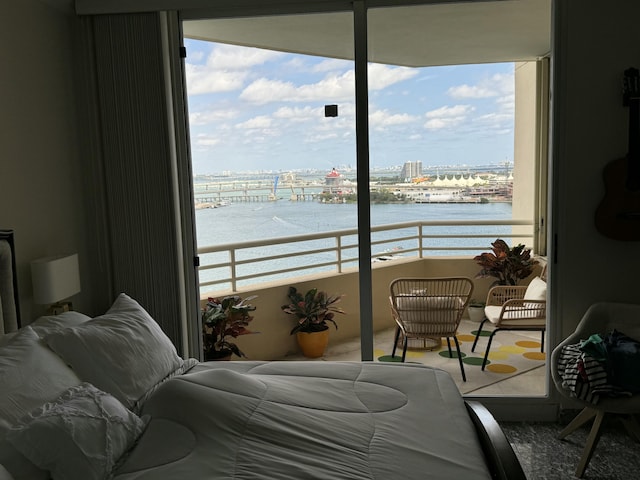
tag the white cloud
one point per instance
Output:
(202, 79)
(229, 57)
(299, 113)
(447, 117)
(382, 118)
(332, 64)
(259, 122)
(468, 91)
(333, 87)
(383, 76)
(225, 70)
(321, 137)
(204, 140)
(205, 117)
(496, 85)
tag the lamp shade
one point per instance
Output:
(55, 278)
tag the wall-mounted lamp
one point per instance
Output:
(54, 280)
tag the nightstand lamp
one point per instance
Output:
(54, 280)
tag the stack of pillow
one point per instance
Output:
(72, 387)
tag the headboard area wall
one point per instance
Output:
(9, 304)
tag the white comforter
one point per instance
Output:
(307, 420)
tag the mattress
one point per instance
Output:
(307, 420)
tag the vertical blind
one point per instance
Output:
(132, 165)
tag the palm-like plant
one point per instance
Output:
(507, 265)
(313, 309)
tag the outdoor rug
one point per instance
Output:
(511, 354)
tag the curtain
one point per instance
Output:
(9, 306)
(133, 186)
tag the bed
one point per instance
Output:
(108, 397)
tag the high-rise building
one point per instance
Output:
(411, 170)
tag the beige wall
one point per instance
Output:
(40, 196)
(598, 41)
(275, 342)
(40, 187)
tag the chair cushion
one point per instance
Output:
(424, 315)
(537, 290)
(513, 318)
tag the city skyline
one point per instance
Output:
(260, 110)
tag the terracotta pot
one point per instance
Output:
(313, 344)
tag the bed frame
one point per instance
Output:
(10, 312)
(501, 459)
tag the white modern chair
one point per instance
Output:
(600, 318)
(515, 307)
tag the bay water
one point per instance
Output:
(246, 221)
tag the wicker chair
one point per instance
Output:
(429, 309)
(600, 318)
(515, 307)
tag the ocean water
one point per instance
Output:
(239, 222)
(261, 220)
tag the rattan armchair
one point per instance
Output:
(429, 309)
(514, 307)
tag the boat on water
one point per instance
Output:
(389, 254)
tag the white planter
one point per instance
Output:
(476, 314)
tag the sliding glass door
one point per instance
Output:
(274, 155)
(315, 117)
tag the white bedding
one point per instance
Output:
(221, 420)
(304, 420)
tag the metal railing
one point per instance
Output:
(233, 265)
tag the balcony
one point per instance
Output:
(328, 261)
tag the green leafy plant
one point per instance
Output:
(477, 303)
(223, 319)
(507, 264)
(313, 309)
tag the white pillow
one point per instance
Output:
(123, 352)
(48, 324)
(536, 290)
(30, 375)
(82, 434)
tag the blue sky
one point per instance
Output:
(259, 110)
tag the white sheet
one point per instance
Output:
(304, 420)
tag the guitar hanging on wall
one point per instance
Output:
(618, 215)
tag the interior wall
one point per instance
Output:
(40, 194)
(274, 341)
(596, 42)
(40, 200)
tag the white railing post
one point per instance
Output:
(327, 252)
(339, 252)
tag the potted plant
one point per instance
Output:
(476, 310)
(507, 264)
(313, 310)
(223, 319)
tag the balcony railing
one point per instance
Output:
(234, 265)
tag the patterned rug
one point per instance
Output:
(511, 354)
